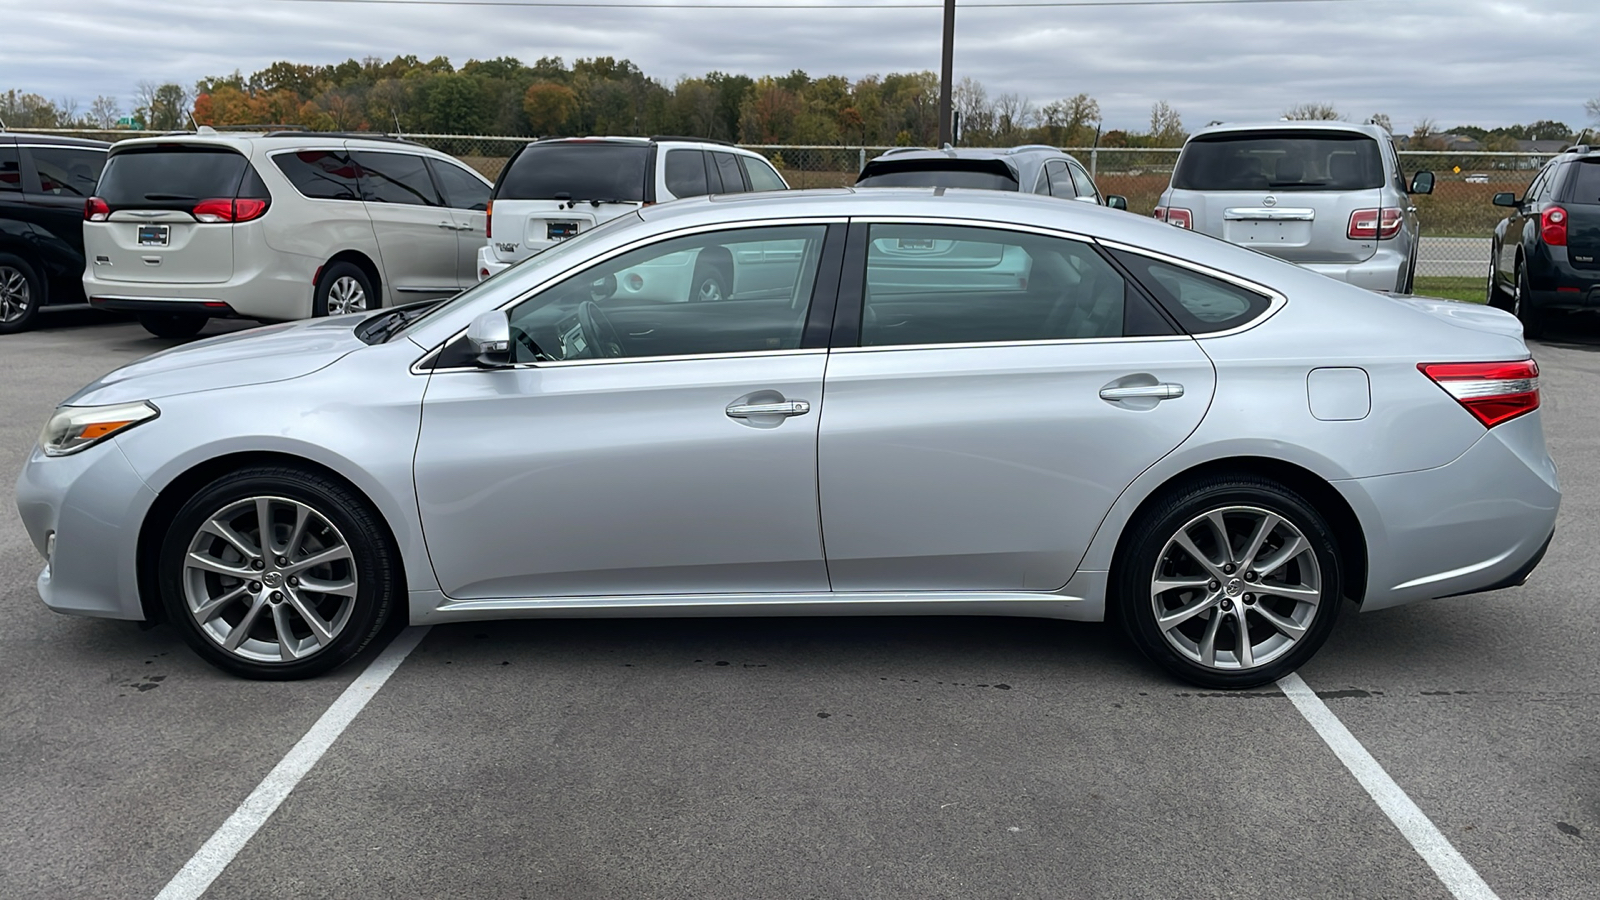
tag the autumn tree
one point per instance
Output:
(548, 107)
(1313, 112)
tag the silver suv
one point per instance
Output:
(1327, 195)
(1031, 168)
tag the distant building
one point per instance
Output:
(1542, 146)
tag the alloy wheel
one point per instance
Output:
(346, 295)
(269, 579)
(1236, 588)
(15, 295)
(710, 291)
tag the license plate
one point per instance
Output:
(153, 235)
(915, 244)
(558, 231)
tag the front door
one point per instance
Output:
(647, 442)
(988, 417)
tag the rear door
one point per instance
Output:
(466, 194)
(974, 437)
(416, 231)
(151, 234)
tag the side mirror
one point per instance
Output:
(1505, 198)
(1422, 183)
(490, 337)
(1116, 201)
(603, 288)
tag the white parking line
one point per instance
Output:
(220, 849)
(1458, 875)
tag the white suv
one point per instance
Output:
(553, 189)
(281, 225)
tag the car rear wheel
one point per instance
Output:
(1523, 308)
(344, 288)
(172, 325)
(20, 294)
(1497, 296)
(710, 284)
(1230, 582)
(277, 573)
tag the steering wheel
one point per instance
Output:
(598, 331)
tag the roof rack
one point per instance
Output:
(893, 150)
(696, 140)
(1022, 147)
(350, 135)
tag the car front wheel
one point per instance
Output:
(20, 294)
(173, 326)
(277, 573)
(1230, 582)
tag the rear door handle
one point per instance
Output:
(1165, 391)
(784, 408)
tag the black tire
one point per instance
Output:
(176, 326)
(349, 622)
(1532, 318)
(1151, 542)
(1411, 277)
(711, 283)
(1497, 297)
(21, 294)
(331, 277)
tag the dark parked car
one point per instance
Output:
(1545, 257)
(44, 181)
(1032, 169)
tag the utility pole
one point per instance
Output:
(946, 136)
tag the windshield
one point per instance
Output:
(1280, 161)
(582, 170)
(170, 177)
(985, 174)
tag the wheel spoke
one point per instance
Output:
(1288, 627)
(1162, 585)
(1179, 616)
(316, 559)
(1220, 529)
(280, 621)
(1281, 558)
(346, 588)
(319, 629)
(1208, 642)
(208, 610)
(1183, 540)
(1263, 529)
(240, 543)
(269, 543)
(1241, 643)
(242, 630)
(301, 516)
(1292, 592)
(206, 563)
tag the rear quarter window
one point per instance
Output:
(321, 174)
(1200, 303)
(68, 171)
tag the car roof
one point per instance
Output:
(1012, 153)
(1372, 131)
(245, 141)
(24, 138)
(709, 143)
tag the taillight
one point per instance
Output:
(95, 210)
(1174, 215)
(1553, 226)
(1494, 392)
(488, 219)
(1366, 224)
(220, 209)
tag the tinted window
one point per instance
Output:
(727, 292)
(1060, 181)
(732, 178)
(1585, 178)
(10, 170)
(1199, 302)
(582, 170)
(762, 177)
(1280, 161)
(395, 178)
(991, 175)
(1082, 182)
(321, 174)
(686, 173)
(170, 177)
(68, 171)
(932, 284)
(461, 189)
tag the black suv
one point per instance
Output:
(44, 181)
(1032, 168)
(1545, 256)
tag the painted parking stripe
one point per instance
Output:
(220, 849)
(1458, 875)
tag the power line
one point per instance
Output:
(793, 4)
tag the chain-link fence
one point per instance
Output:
(1457, 219)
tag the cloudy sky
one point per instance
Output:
(1487, 62)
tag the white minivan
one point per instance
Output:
(274, 226)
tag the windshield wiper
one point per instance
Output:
(380, 328)
(170, 197)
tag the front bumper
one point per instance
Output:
(92, 503)
(1475, 524)
(1383, 271)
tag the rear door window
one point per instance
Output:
(10, 170)
(461, 189)
(68, 171)
(732, 178)
(762, 177)
(1286, 160)
(400, 178)
(1060, 182)
(581, 170)
(321, 174)
(1200, 303)
(170, 177)
(1585, 180)
(686, 173)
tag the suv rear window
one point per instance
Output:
(1280, 161)
(170, 177)
(985, 174)
(584, 170)
(1585, 182)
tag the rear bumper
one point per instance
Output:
(1559, 285)
(489, 265)
(1383, 271)
(1479, 523)
(154, 305)
(279, 289)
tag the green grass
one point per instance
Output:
(1458, 287)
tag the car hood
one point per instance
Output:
(257, 356)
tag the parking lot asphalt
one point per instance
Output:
(778, 757)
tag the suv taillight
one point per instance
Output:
(95, 210)
(1553, 226)
(488, 219)
(1365, 224)
(1174, 215)
(1494, 392)
(221, 209)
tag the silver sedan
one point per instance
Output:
(906, 402)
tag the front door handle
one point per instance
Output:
(784, 408)
(1165, 391)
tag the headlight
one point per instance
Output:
(74, 428)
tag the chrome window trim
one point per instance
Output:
(566, 363)
(101, 150)
(418, 367)
(1043, 342)
(1275, 299)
